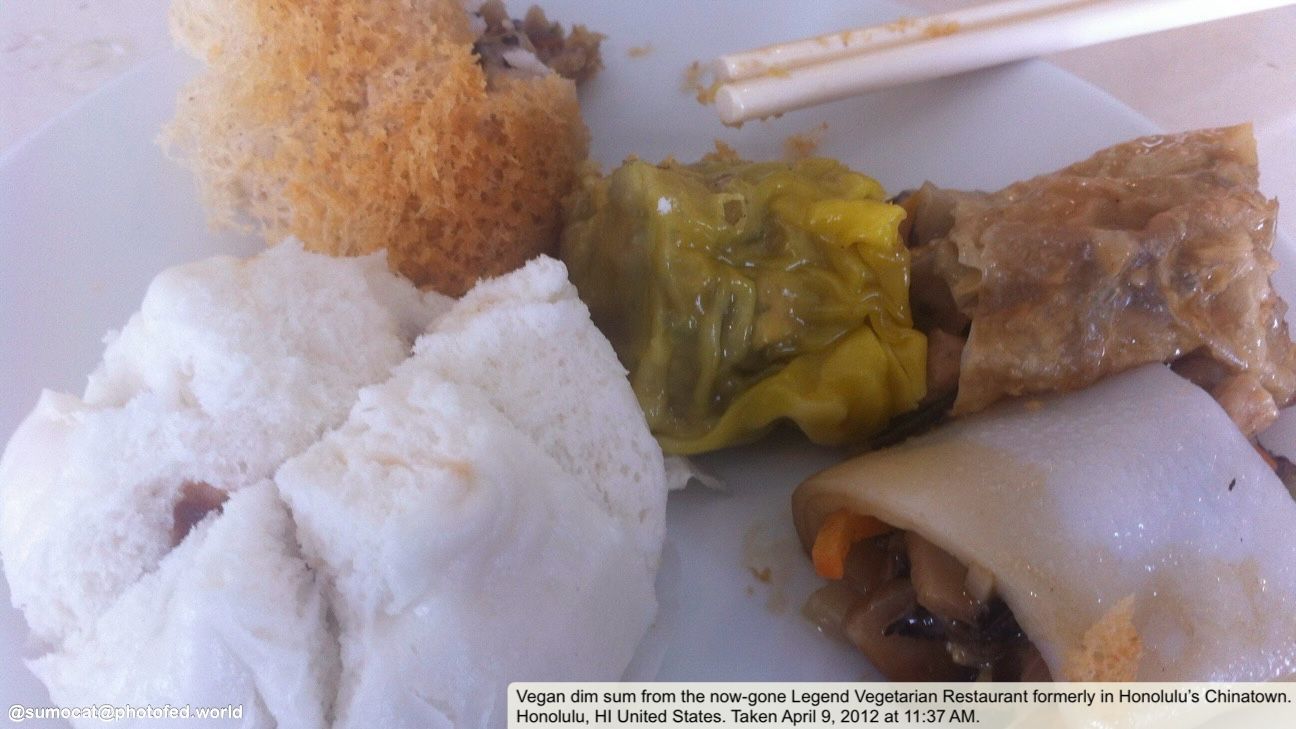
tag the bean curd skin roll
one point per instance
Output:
(1124, 532)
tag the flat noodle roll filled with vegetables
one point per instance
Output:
(1062, 538)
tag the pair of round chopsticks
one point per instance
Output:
(771, 80)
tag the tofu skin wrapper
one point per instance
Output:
(1138, 492)
(1147, 251)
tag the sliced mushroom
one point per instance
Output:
(993, 643)
(872, 562)
(944, 357)
(827, 607)
(898, 657)
(980, 583)
(938, 579)
(917, 612)
(1200, 368)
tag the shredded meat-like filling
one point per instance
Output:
(535, 45)
(918, 614)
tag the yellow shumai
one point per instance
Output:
(741, 294)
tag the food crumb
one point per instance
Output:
(901, 24)
(845, 37)
(696, 83)
(938, 29)
(575, 55)
(769, 556)
(722, 153)
(692, 78)
(799, 146)
(639, 51)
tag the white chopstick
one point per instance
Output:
(830, 46)
(775, 79)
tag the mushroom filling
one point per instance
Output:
(534, 46)
(918, 614)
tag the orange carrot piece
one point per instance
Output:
(839, 531)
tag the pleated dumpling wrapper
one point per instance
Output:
(498, 513)
(1133, 532)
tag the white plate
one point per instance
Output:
(91, 210)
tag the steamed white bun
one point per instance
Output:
(229, 368)
(489, 509)
(492, 513)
